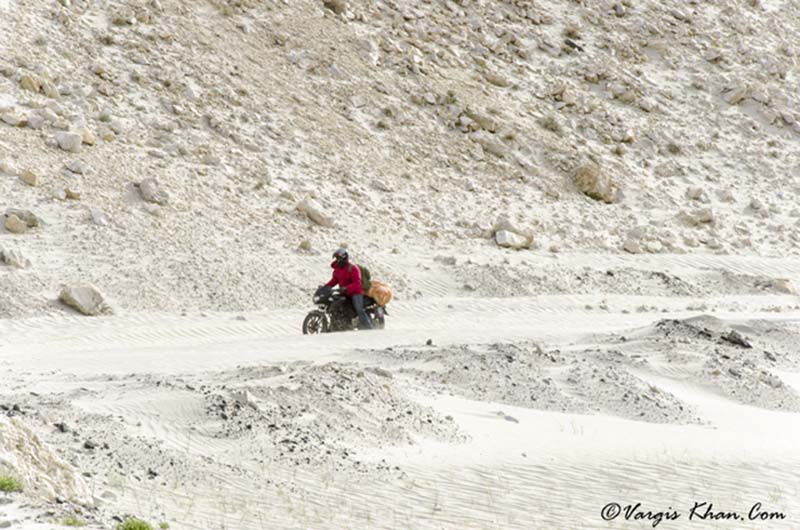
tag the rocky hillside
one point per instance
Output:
(209, 154)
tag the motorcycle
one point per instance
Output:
(335, 312)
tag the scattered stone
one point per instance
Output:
(314, 211)
(72, 194)
(69, 141)
(84, 298)
(151, 192)
(734, 337)
(593, 183)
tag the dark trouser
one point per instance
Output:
(363, 317)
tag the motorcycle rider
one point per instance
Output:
(348, 276)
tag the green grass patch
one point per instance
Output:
(9, 484)
(163, 526)
(73, 521)
(134, 524)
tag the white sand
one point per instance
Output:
(151, 386)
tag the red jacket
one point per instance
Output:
(349, 278)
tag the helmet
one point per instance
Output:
(341, 257)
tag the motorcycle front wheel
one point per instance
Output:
(315, 322)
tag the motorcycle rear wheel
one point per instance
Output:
(315, 322)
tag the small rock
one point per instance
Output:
(88, 137)
(697, 194)
(429, 342)
(313, 211)
(489, 143)
(72, 194)
(62, 427)
(98, 217)
(69, 141)
(89, 444)
(30, 178)
(783, 285)
(13, 258)
(50, 89)
(337, 6)
(305, 245)
(734, 337)
(507, 239)
(27, 216)
(78, 166)
(14, 119)
(31, 82)
(738, 95)
(15, 225)
(497, 79)
(632, 245)
(84, 298)
(35, 121)
(152, 193)
(153, 209)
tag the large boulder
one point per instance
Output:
(84, 298)
(507, 234)
(592, 182)
(314, 211)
